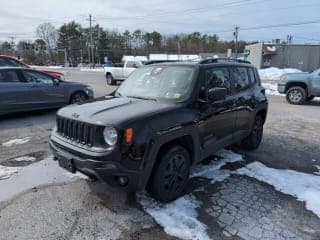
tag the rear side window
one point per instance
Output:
(218, 77)
(9, 76)
(252, 76)
(132, 64)
(240, 78)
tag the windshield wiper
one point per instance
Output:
(144, 98)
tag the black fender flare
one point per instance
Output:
(163, 137)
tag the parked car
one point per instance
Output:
(120, 72)
(8, 61)
(23, 89)
(300, 87)
(160, 121)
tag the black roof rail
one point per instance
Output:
(216, 60)
(159, 61)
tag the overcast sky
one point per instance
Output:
(19, 18)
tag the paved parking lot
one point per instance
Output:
(239, 204)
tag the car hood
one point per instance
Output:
(296, 76)
(115, 111)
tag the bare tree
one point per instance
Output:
(48, 33)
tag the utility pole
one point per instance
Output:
(91, 40)
(179, 50)
(12, 44)
(235, 34)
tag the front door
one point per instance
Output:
(315, 83)
(48, 93)
(15, 94)
(218, 118)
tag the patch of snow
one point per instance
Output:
(16, 142)
(43, 173)
(213, 171)
(76, 175)
(7, 172)
(271, 89)
(273, 73)
(318, 172)
(44, 67)
(303, 186)
(91, 69)
(178, 218)
(272, 49)
(24, 159)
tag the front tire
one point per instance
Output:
(78, 97)
(253, 141)
(110, 80)
(296, 95)
(170, 175)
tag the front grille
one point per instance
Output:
(79, 132)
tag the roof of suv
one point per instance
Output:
(224, 61)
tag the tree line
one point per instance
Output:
(72, 42)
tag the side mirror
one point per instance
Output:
(56, 82)
(216, 94)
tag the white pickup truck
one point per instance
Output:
(120, 71)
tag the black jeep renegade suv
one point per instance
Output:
(160, 121)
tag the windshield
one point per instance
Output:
(158, 82)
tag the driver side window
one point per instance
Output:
(36, 77)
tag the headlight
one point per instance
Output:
(110, 135)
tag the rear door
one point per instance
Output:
(48, 93)
(15, 94)
(218, 118)
(243, 80)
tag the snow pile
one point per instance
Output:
(273, 74)
(305, 187)
(7, 172)
(213, 170)
(44, 67)
(271, 88)
(91, 69)
(16, 142)
(42, 173)
(24, 159)
(178, 218)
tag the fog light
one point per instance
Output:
(123, 181)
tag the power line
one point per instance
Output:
(168, 13)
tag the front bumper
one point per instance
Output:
(107, 170)
(281, 88)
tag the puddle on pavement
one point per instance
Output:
(24, 160)
(42, 173)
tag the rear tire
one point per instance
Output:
(170, 175)
(296, 95)
(253, 141)
(110, 80)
